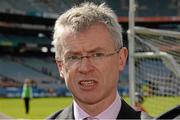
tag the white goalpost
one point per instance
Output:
(154, 66)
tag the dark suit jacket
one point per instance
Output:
(126, 112)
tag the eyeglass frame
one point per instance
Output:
(80, 57)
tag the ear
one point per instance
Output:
(59, 65)
(123, 54)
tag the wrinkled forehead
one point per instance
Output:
(96, 36)
(65, 31)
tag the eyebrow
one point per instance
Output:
(89, 51)
(97, 49)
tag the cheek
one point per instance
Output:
(69, 76)
(110, 71)
(66, 75)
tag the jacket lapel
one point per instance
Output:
(67, 113)
(126, 112)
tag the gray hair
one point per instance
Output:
(81, 17)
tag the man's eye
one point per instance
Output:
(99, 55)
(72, 57)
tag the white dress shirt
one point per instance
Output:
(110, 113)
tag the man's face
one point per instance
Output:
(91, 80)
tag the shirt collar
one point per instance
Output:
(110, 113)
(78, 112)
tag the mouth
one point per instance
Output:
(87, 84)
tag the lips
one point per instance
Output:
(87, 84)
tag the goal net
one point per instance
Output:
(157, 68)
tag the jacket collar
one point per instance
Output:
(126, 112)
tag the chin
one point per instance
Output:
(90, 100)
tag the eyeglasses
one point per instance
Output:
(95, 57)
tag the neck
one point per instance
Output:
(96, 108)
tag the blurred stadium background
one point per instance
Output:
(26, 28)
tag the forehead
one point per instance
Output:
(95, 37)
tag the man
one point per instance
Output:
(89, 55)
(27, 94)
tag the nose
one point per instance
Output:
(85, 66)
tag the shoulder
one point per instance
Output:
(127, 112)
(66, 113)
(54, 115)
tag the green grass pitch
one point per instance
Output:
(40, 108)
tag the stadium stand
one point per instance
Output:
(45, 66)
(12, 68)
(17, 71)
(26, 27)
(18, 39)
(120, 6)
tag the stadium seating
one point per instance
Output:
(43, 71)
(38, 7)
(48, 68)
(16, 39)
(5, 6)
(17, 71)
